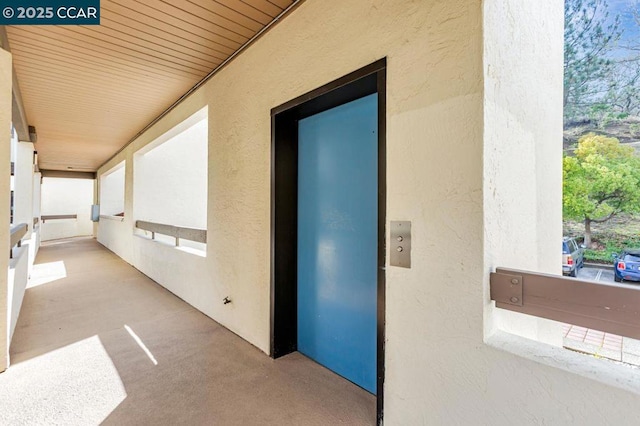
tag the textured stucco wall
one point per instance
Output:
(23, 189)
(5, 191)
(111, 197)
(523, 148)
(66, 196)
(439, 370)
(170, 180)
(34, 245)
(18, 277)
(23, 257)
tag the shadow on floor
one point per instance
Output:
(105, 344)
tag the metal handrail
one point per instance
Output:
(178, 232)
(612, 308)
(17, 232)
(112, 217)
(58, 216)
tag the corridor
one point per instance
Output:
(99, 342)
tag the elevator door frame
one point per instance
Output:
(284, 199)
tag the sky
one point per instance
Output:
(631, 30)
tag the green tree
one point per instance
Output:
(600, 181)
(589, 36)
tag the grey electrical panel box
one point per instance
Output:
(400, 243)
(95, 212)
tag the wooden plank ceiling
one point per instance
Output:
(89, 89)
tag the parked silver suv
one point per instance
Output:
(572, 256)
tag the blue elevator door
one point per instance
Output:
(338, 239)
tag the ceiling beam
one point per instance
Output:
(67, 174)
(18, 114)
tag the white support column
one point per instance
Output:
(23, 186)
(5, 190)
(96, 188)
(37, 194)
(37, 199)
(523, 150)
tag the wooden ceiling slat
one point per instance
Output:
(237, 17)
(215, 12)
(139, 79)
(71, 126)
(83, 107)
(95, 131)
(43, 85)
(155, 49)
(72, 100)
(158, 39)
(72, 40)
(85, 114)
(42, 41)
(85, 137)
(99, 79)
(183, 39)
(98, 43)
(263, 6)
(137, 48)
(140, 72)
(189, 33)
(283, 4)
(135, 67)
(181, 19)
(85, 132)
(249, 11)
(90, 89)
(60, 92)
(63, 91)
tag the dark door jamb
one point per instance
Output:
(284, 200)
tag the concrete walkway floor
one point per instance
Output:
(98, 342)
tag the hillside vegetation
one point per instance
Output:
(626, 130)
(608, 238)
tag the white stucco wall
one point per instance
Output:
(23, 185)
(37, 190)
(66, 196)
(18, 278)
(523, 150)
(451, 120)
(112, 191)
(23, 257)
(5, 191)
(170, 176)
(35, 239)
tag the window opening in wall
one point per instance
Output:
(595, 308)
(112, 191)
(170, 186)
(66, 208)
(601, 161)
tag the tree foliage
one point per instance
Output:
(589, 36)
(600, 181)
(623, 96)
